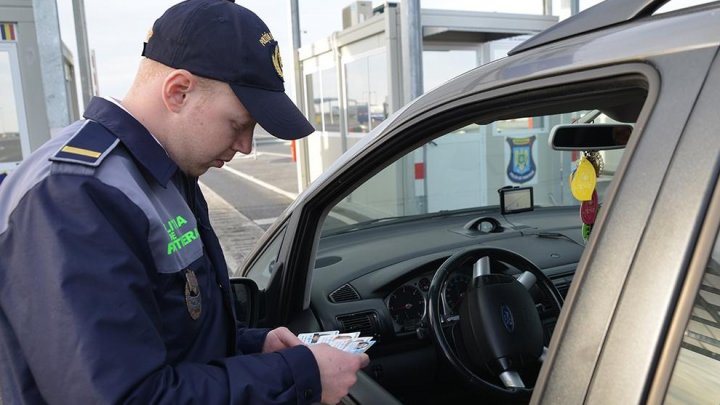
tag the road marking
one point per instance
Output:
(285, 155)
(292, 196)
(252, 155)
(261, 183)
(264, 221)
(342, 218)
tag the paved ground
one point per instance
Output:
(236, 232)
(247, 194)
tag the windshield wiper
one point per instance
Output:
(364, 224)
(402, 219)
(374, 223)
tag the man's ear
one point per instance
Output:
(175, 89)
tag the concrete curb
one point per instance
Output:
(236, 232)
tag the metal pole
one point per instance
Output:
(547, 7)
(295, 22)
(47, 28)
(394, 55)
(412, 37)
(303, 167)
(342, 99)
(574, 7)
(411, 42)
(83, 51)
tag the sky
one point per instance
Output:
(116, 29)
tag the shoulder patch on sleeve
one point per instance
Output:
(89, 146)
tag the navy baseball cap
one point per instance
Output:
(221, 40)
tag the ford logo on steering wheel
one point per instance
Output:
(507, 318)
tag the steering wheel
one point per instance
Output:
(501, 332)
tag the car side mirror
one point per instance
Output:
(245, 298)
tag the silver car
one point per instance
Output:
(540, 229)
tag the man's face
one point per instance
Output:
(214, 126)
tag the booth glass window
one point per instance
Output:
(323, 111)
(314, 100)
(367, 94)
(330, 101)
(12, 124)
(440, 66)
(322, 100)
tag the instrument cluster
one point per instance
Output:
(408, 303)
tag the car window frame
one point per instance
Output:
(433, 119)
(707, 239)
(700, 253)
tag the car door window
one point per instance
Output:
(697, 369)
(464, 168)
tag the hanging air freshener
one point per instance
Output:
(589, 209)
(582, 183)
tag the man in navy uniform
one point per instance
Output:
(113, 286)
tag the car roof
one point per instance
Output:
(638, 40)
(602, 15)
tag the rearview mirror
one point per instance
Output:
(245, 299)
(590, 136)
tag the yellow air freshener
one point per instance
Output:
(583, 181)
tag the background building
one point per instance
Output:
(38, 89)
(355, 78)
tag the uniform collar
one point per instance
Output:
(136, 138)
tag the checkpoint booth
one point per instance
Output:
(24, 101)
(353, 80)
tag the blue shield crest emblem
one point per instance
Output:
(521, 168)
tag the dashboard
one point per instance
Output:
(377, 280)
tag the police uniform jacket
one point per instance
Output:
(113, 286)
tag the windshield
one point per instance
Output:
(463, 170)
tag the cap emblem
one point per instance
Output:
(277, 61)
(265, 38)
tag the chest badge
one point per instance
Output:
(193, 299)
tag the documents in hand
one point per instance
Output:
(350, 342)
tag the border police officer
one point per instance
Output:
(113, 286)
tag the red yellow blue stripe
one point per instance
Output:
(7, 31)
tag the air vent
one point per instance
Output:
(363, 322)
(344, 294)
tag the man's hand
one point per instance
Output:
(338, 371)
(280, 338)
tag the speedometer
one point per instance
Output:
(407, 306)
(455, 291)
